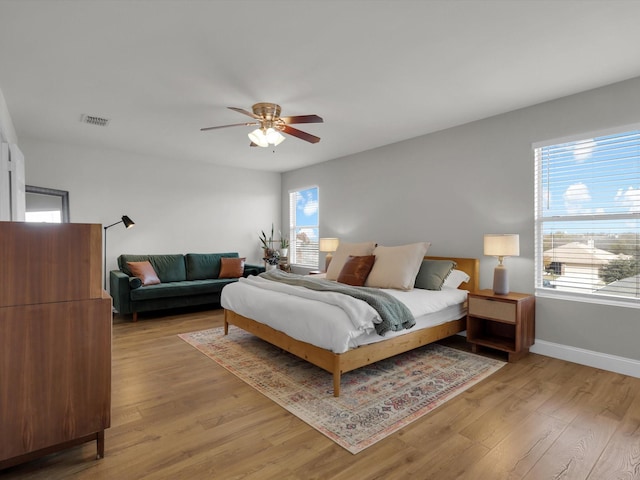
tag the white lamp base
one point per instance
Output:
(500, 280)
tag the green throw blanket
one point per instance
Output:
(394, 314)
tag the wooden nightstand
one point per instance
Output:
(503, 322)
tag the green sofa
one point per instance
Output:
(190, 279)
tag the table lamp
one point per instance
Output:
(328, 245)
(500, 246)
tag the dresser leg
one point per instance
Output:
(100, 444)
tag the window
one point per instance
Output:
(303, 227)
(588, 218)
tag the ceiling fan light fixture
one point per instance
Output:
(259, 138)
(271, 126)
(274, 137)
(264, 138)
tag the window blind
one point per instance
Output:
(303, 227)
(588, 216)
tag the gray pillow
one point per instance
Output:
(433, 273)
(134, 282)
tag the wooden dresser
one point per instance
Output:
(55, 340)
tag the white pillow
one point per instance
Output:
(455, 279)
(397, 267)
(342, 254)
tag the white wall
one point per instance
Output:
(178, 206)
(7, 131)
(453, 186)
(11, 188)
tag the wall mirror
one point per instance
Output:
(46, 205)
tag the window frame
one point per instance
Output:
(293, 226)
(540, 220)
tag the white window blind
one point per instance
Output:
(304, 227)
(588, 217)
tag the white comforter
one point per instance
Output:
(326, 319)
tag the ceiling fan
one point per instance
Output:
(270, 125)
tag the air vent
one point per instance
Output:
(93, 120)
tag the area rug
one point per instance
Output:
(374, 401)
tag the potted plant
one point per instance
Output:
(284, 246)
(272, 259)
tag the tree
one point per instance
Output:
(619, 269)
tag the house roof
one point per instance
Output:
(580, 254)
(627, 287)
(378, 72)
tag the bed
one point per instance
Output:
(356, 356)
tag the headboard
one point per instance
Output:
(470, 266)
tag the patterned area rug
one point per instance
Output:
(374, 402)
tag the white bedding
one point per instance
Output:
(330, 320)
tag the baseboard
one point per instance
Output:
(612, 363)
(604, 361)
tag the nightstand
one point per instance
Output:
(504, 322)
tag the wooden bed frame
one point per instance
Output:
(339, 363)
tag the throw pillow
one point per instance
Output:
(456, 278)
(342, 253)
(231, 267)
(397, 267)
(356, 270)
(134, 282)
(145, 272)
(433, 273)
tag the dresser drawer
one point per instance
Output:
(505, 311)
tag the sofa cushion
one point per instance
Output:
(170, 268)
(202, 266)
(180, 289)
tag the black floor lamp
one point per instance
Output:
(128, 223)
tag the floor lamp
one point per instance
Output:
(128, 223)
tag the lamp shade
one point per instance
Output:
(502, 244)
(274, 137)
(328, 244)
(264, 138)
(128, 223)
(258, 137)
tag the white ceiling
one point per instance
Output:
(378, 72)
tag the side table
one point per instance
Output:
(503, 322)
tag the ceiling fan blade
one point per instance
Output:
(245, 112)
(300, 134)
(302, 119)
(232, 125)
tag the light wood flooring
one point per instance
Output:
(176, 414)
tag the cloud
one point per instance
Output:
(583, 150)
(629, 199)
(575, 198)
(308, 205)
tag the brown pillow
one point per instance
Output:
(342, 253)
(356, 270)
(231, 267)
(145, 272)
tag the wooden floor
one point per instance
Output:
(178, 415)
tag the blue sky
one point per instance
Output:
(307, 212)
(594, 176)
